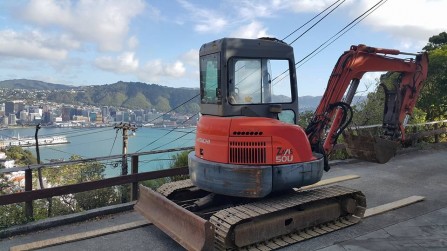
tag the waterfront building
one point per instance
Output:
(92, 116)
(67, 113)
(119, 117)
(12, 119)
(5, 120)
(105, 114)
(23, 116)
(126, 117)
(13, 107)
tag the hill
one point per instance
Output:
(28, 84)
(134, 95)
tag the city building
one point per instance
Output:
(13, 107)
(12, 119)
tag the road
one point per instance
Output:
(421, 226)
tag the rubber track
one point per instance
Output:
(168, 188)
(225, 219)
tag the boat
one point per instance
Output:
(29, 141)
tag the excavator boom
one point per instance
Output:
(334, 107)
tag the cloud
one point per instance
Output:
(206, 20)
(300, 6)
(35, 45)
(177, 69)
(155, 70)
(252, 30)
(249, 10)
(413, 25)
(124, 63)
(132, 42)
(105, 23)
(191, 58)
(151, 71)
(154, 13)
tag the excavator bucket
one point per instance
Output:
(369, 148)
(188, 229)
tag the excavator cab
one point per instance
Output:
(247, 77)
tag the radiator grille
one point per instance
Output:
(248, 152)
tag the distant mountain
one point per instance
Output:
(310, 103)
(32, 85)
(132, 95)
(136, 95)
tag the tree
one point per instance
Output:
(79, 173)
(162, 104)
(22, 157)
(433, 98)
(436, 41)
(178, 160)
(11, 215)
(139, 101)
(304, 118)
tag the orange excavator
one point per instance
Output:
(251, 157)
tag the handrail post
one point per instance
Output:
(134, 187)
(29, 187)
(414, 139)
(436, 134)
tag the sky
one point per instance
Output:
(97, 42)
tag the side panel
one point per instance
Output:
(297, 175)
(232, 180)
(289, 143)
(212, 138)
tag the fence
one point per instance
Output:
(414, 133)
(29, 195)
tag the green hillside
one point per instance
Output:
(32, 85)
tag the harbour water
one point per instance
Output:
(105, 141)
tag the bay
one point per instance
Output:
(105, 141)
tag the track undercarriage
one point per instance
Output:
(199, 220)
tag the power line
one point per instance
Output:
(172, 130)
(328, 42)
(185, 134)
(173, 109)
(75, 131)
(302, 34)
(352, 24)
(116, 135)
(57, 150)
(311, 19)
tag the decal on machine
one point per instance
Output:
(204, 141)
(284, 155)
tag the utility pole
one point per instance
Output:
(124, 170)
(39, 171)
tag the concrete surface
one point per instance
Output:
(421, 226)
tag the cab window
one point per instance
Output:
(209, 78)
(259, 81)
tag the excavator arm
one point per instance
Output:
(334, 109)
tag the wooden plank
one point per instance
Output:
(330, 181)
(392, 205)
(80, 236)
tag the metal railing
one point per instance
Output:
(415, 132)
(29, 195)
